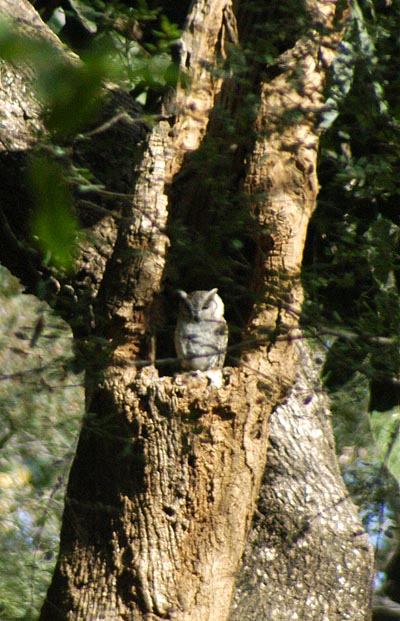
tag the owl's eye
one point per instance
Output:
(205, 306)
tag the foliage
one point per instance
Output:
(135, 38)
(54, 224)
(41, 404)
(352, 253)
(351, 271)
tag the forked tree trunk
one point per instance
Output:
(168, 470)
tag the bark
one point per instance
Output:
(306, 556)
(168, 469)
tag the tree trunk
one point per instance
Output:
(307, 556)
(168, 469)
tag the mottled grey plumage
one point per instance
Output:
(201, 333)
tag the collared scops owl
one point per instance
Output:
(201, 333)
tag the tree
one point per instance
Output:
(217, 190)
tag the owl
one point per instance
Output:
(201, 333)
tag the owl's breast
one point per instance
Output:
(201, 345)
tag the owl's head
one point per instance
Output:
(200, 305)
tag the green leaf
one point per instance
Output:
(54, 225)
(385, 426)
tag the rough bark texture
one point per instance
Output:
(168, 469)
(306, 556)
(171, 532)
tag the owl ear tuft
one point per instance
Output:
(181, 294)
(211, 293)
